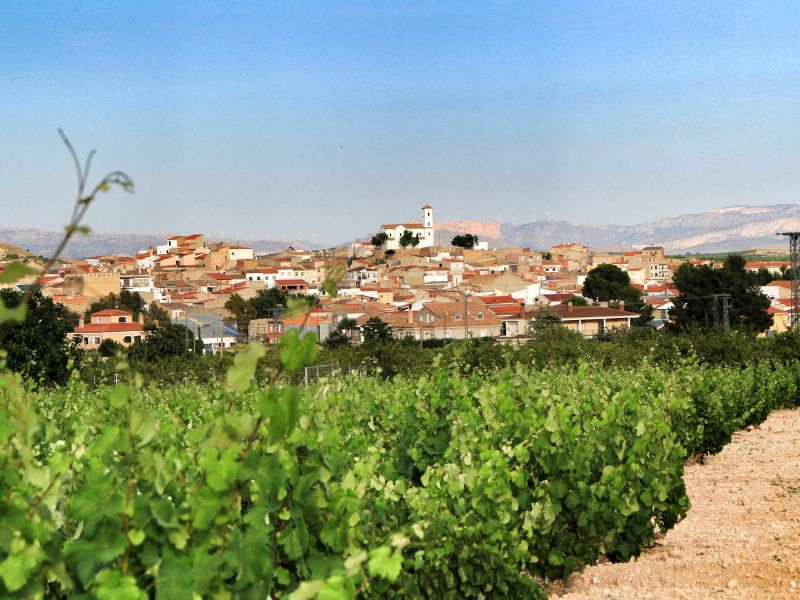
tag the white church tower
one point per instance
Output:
(427, 226)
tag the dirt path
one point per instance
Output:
(741, 538)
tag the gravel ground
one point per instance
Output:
(741, 538)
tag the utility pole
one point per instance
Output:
(466, 327)
(721, 312)
(794, 258)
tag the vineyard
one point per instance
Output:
(485, 484)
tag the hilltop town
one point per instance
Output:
(421, 290)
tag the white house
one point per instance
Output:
(363, 275)
(422, 231)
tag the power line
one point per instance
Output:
(794, 258)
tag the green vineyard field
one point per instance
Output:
(448, 486)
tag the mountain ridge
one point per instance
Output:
(44, 242)
(728, 228)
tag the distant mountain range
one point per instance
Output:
(718, 230)
(43, 242)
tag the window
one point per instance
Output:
(121, 319)
(86, 340)
(97, 340)
(479, 315)
(483, 333)
(427, 335)
(137, 338)
(458, 316)
(127, 339)
(448, 334)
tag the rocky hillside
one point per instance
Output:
(39, 241)
(718, 230)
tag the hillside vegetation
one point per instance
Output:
(443, 485)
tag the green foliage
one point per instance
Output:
(379, 239)
(698, 284)
(131, 302)
(15, 271)
(109, 347)
(156, 316)
(376, 331)
(609, 283)
(545, 320)
(467, 241)
(37, 345)
(172, 340)
(242, 312)
(336, 339)
(443, 485)
(408, 239)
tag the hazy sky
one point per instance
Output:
(329, 118)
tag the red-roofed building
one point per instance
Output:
(114, 324)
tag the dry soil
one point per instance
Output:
(741, 538)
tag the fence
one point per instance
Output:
(330, 370)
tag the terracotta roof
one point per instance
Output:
(406, 225)
(515, 309)
(757, 264)
(498, 299)
(291, 282)
(111, 312)
(109, 327)
(567, 313)
(224, 276)
(427, 206)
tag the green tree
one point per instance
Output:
(408, 239)
(38, 346)
(267, 301)
(609, 283)
(109, 347)
(694, 307)
(543, 321)
(763, 276)
(156, 315)
(125, 300)
(376, 330)
(346, 324)
(172, 340)
(467, 241)
(336, 339)
(547, 256)
(576, 301)
(379, 239)
(242, 312)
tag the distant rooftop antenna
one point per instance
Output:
(549, 220)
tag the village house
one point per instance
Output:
(779, 289)
(110, 324)
(442, 320)
(591, 321)
(775, 267)
(363, 275)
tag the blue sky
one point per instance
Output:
(325, 119)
